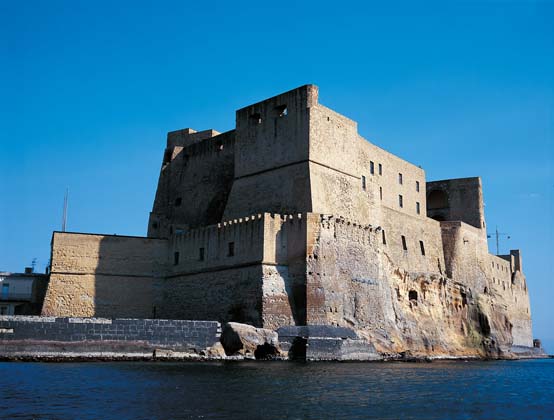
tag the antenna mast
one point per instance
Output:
(64, 217)
(497, 234)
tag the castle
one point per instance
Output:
(293, 218)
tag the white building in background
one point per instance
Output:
(22, 293)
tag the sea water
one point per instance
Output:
(278, 390)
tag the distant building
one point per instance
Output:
(22, 293)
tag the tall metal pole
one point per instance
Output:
(64, 218)
(497, 247)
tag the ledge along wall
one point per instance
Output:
(104, 275)
(27, 334)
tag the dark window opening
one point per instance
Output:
(256, 118)
(422, 247)
(381, 192)
(404, 245)
(231, 249)
(417, 186)
(486, 290)
(384, 237)
(417, 208)
(155, 225)
(201, 254)
(282, 110)
(464, 299)
(178, 201)
(371, 168)
(437, 199)
(401, 201)
(380, 169)
(176, 258)
(363, 183)
(219, 145)
(412, 295)
(171, 230)
(400, 180)
(167, 156)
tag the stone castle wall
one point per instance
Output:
(104, 275)
(260, 282)
(401, 299)
(195, 180)
(340, 235)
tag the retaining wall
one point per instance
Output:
(27, 335)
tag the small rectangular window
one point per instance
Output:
(400, 180)
(380, 169)
(384, 237)
(231, 250)
(201, 254)
(418, 208)
(371, 168)
(363, 183)
(422, 247)
(178, 201)
(400, 201)
(404, 246)
(417, 186)
(381, 192)
(176, 258)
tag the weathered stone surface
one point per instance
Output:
(324, 342)
(327, 331)
(216, 351)
(250, 341)
(104, 276)
(320, 349)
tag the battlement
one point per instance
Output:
(457, 199)
(240, 241)
(304, 96)
(187, 136)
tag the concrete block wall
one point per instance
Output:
(154, 333)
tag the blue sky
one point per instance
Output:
(89, 89)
